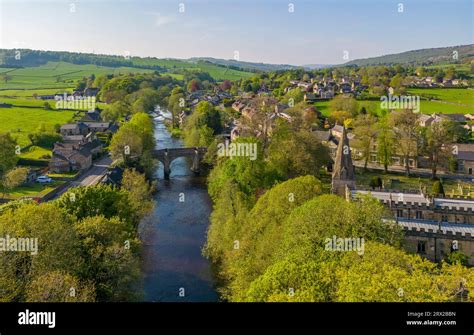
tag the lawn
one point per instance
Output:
(22, 121)
(36, 153)
(32, 190)
(400, 182)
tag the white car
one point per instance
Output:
(43, 179)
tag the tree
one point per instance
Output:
(457, 257)
(58, 286)
(405, 127)
(438, 189)
(436, 145)
(295, 154)
(293, 96)
(343, 103)
(133, 139)
(226, 85)
(101, 200)
(139, 192)
(385, 143)
(111, 258)
(227, 219)
(339, 117)
(176, 103)
(56, 246)
(47, 105)
(376, 182)
(194, 85)
(365, 132)
(387, 274)
(14, 178)
(114, 111)
(249, 175)
(8, 156)
(126, 143)
(202, 124)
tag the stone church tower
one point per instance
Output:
(343, 171)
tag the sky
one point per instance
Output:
(297, 32)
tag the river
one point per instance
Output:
(173, 235)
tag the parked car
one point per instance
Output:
(43, 179)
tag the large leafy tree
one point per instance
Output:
(57, 247)
(103, 200)
(385, 143)
(202, 124)
(295, 154)
(365, 132)
(8, 156)
(111, 258)
(405, 126)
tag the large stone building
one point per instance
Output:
(433, 227)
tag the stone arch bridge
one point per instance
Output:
(166, 157)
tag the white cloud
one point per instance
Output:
(161, 20)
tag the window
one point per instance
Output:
(444, 218)
(399, 213)
(419, 215)
(421, 247)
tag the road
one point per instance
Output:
(91, 176)
(95, 173)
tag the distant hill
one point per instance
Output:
(430, 56)
(247, 66)
(317, 66)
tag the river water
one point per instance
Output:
(173, 235)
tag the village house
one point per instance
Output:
(91, 116)
(75, 153)
(66, 160)
(77, 128)
(465, 158)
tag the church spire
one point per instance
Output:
(343, 171)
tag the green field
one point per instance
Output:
(174, 65)
(451, 101)
(57, 75)
(22, 121)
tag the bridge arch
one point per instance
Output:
(166, 157)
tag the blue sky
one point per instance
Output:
(317, 32)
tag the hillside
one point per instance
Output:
(35, 59)
(432, 56)
(247, 66)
